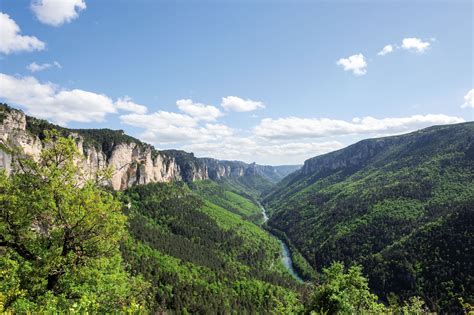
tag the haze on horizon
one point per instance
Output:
(275, 82)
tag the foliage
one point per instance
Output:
(4, 110)
(347, 292)
(344, 293)
(59, 238)
(229, 195)
(257, 184)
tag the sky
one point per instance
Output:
(275, 82)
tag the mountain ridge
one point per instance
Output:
(358, 152)
(389, 204)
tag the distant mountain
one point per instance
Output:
(134, 162)
(401, 206)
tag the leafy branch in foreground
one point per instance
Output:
(347, 292)
(59, 237)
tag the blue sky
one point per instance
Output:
(284, 68)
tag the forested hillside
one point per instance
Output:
(401, 206)
(201, 255)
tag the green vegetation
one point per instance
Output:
(256, 184)
(399, 210)
(59, 243)
(201, 257)
(402, 207)
(342, 292)
(232, 196)
(4, 110)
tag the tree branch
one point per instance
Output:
(20, 249)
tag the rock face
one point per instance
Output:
(353, 156)
(132, 161)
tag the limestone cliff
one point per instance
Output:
(353, 156)
(133, 161)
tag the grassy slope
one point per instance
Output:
(232, 195)
(381, 212)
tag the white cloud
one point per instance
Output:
(45, 100)
(299, 128)
(354, 63)
(162, 128)
(387, 49)
(34, 67)
(218, 130)
(160, 118)
(57, 12)
(11, 40)
(468, 99)
(250, 149)
(125, 103)
(236, 104)
(198, 110)
(415, 44)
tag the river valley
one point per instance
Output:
(285, 252)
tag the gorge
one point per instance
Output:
(215, 236)
(285, 252)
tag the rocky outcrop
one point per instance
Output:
(132, 161)
(353, 156)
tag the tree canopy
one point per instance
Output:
(59, 237)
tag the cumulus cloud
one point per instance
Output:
(250, 149)
(164, 127)
(11, 40)
(415, 45)
(57, 12)
(387, 49)
(160, 118)
(237, 104)
(35, 67)
(48, 101)
(468, 99)
(198, 110)
(125, 103)
(354, 63)
(294, 127)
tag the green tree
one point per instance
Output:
(343, 293)
(59, 237)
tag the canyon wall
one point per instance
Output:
(133, 162)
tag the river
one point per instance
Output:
(285, 252)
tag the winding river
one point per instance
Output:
(285, 252)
